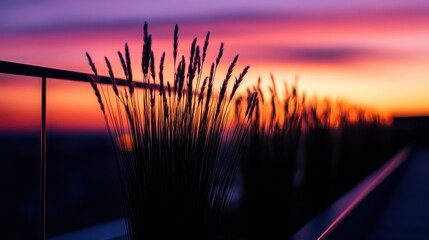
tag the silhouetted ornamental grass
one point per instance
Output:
(343, 144)
(289, 133)
(271, 161)
(177, 148)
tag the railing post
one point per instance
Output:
(43, 162)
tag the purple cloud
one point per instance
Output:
(324, 55)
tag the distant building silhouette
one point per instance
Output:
(415, 127)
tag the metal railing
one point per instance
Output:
(50, 73)
(350, 215)
(327, 223)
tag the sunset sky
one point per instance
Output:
(373, 53)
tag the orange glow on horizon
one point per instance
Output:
(20, 105)
(375, 61)
(125, 142)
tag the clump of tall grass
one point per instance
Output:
(177, 147)
(292, 133)
(342, 143)
(271, 160)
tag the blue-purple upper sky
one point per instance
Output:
(18, 15)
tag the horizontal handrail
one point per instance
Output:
(328, 222)
(37, 71)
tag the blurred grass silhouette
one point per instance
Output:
(303, 154)
(179, 149)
